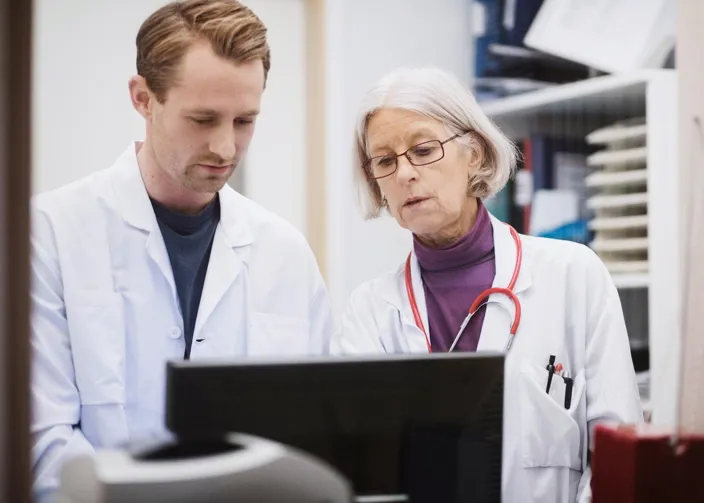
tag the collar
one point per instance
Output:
(136, 210)
(505, 255)
(473, 248)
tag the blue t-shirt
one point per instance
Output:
(188, 240)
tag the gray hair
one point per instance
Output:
(440, 96)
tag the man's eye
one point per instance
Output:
(244, 122)
(202, 122)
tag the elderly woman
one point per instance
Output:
(427, 155)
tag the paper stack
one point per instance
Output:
(619, 200)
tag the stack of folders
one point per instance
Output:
(619, 200)
(503, 65)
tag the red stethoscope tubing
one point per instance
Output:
(508, 291)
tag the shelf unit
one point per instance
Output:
(576, 109)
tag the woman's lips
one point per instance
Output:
(415, 201)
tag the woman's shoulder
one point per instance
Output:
(558, 248)
(562, 255)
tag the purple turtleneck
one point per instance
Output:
(452, 278)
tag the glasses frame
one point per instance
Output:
(367, 164)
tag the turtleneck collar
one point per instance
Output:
(475, 247)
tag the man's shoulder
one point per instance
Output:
(75, 197)
(268, 228)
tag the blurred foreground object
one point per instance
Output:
(237, 468)
(641, 464)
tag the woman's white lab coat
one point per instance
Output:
(106, 316)
(570, 309)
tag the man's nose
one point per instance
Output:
(224, 144)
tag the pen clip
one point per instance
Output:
(551, 364)
(551, 370)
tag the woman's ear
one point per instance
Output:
(477, 149)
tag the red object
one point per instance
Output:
(508, 291)
(638, 464)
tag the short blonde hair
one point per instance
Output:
(232, 30)
(440, 96)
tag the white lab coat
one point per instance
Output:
(106, 315)
(571, 309)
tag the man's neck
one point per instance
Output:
(163, 189)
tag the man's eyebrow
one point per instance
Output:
(202, 111)
(210, 111)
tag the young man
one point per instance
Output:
(156, 258)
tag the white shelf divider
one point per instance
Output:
(625, 280)
(619, 89)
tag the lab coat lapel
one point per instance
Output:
(228, 256)
(156, 249)
(136, 209)
(500, 310)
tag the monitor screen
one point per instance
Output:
(428, 427)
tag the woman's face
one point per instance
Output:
(430, 200)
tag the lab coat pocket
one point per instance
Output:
(97, 334)
(278, 335)
(550, 433)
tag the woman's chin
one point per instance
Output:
(423, 225)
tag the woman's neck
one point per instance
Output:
(473, 248)
(454, 230)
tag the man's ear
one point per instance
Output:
(142, 98)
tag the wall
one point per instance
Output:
(688, 358)
(275, 169)
(365, 39)
(84, 55)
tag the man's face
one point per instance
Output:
(203, 128)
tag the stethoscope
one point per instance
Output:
(481, 299)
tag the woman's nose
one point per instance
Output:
(405, 171)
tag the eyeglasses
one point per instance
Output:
(421, 154)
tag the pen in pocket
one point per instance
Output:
(568, 391)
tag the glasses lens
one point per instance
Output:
(382, 166)
(425, 153)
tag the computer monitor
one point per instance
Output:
(428, 427)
